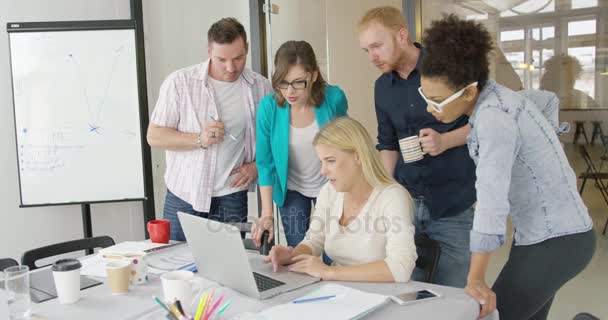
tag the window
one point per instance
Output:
(576, 28)
(579, 4)
(512, 35)
(586, 80)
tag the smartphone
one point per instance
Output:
(415, 296)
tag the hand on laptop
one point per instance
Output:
(311, 265)
(279, 255)
(265, 222)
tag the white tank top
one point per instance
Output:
(304, 169)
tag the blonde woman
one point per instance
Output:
(362, 219)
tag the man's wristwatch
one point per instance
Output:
(200, 142)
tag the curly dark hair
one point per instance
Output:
(457, 50)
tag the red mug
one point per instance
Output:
(159, 230)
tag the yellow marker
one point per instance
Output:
(199, 311)
(174, 310)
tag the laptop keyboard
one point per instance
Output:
(266, 283)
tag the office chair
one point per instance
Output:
(604, 156)
(7, 262)
(428, 251)
(30, 257)
(585, 316)
(599, 177)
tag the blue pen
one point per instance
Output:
(314, 299)
(226, 133)
(189, 267)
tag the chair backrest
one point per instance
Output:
(428, 251)
(585, 316)
(7, 262)
(30, 257)
(587, 158)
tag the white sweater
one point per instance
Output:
(383, 230)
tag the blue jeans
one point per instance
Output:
(295, 214)
(452, 233)
(229, 208)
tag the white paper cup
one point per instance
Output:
(66, 273)
(180, 285)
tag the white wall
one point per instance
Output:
(27, 228)
(175, 37)
(348, 64)
(301, 20)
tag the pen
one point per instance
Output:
(215, 305)
(224, 307)
(160, 303)
(314, 299)
(178, 305)
(207, 303)
(174, 310)
(226, 133)
(201, 304)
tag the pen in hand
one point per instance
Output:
(226, 133)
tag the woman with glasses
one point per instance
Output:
(522, 171)
(363, 218)
(287, 121)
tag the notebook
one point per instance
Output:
(348, 303)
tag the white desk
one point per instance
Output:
(98, 303)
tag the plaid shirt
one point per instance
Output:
(185, 101)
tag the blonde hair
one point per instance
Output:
(389, 17)
(349, 135)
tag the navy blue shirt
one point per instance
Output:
(446, 182)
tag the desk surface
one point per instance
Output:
(98, 303)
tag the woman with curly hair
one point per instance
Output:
(522, 171)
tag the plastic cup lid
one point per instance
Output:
(66, 265)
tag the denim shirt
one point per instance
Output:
(522, 170)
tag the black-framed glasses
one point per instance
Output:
(296, 85)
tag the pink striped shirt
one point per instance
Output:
(185, 101)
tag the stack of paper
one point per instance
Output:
(348, 303)
(129, 247)
(172, 258)
(159, 256)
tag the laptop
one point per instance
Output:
(220, 256)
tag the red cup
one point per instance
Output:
(159, 230)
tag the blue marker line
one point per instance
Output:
(314, 299)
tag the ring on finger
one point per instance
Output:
(212, 134)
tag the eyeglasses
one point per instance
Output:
(296, 85)
(438, 106)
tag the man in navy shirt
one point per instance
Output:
(442, 184)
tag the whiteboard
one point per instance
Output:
(77, 120)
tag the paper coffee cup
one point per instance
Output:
(118, 276)
(66, 273)
(139, 268)
(180, 285)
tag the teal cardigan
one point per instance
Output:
(272, 137)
